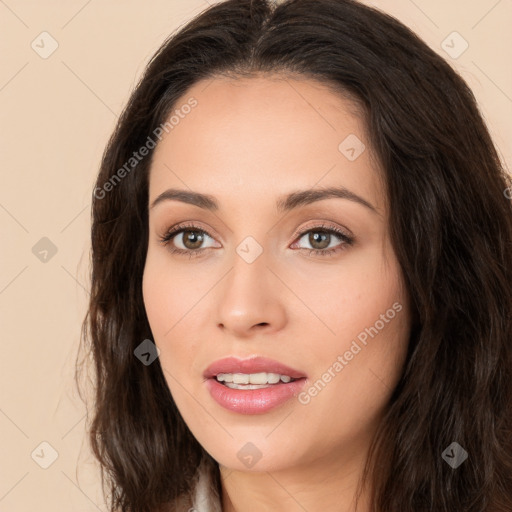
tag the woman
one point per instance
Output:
(301, 268)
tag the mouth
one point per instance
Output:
(252, 386)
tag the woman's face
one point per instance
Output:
(307, 280)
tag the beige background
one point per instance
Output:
(56, 116)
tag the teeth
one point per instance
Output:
(241, 378)
(274, 378)
(252, 378)
(247, 386)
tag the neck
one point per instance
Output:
(326, 483)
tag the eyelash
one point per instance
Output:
(176, 230)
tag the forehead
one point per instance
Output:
(265, 134)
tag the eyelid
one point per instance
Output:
(322, 224)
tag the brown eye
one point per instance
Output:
(184, 239)
(319, 241)
(192, 238)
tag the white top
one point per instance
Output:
(205, 498)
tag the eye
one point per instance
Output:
(186, 239)
(321, 239)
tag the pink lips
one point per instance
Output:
(252, 401)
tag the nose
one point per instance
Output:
(250, 299)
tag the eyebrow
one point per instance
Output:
(284, 203)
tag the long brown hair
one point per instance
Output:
(450, 225)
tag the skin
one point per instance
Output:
(248, 142)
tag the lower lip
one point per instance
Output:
(253, 401)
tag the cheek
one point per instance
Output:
(164, 305)
(350, 297)
(358, 364)
(168, 293)
(351, 387)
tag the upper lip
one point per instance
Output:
(251, 365)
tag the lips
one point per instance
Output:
(252, 365)
(248, 399)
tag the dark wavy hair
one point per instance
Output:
(450, 226)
